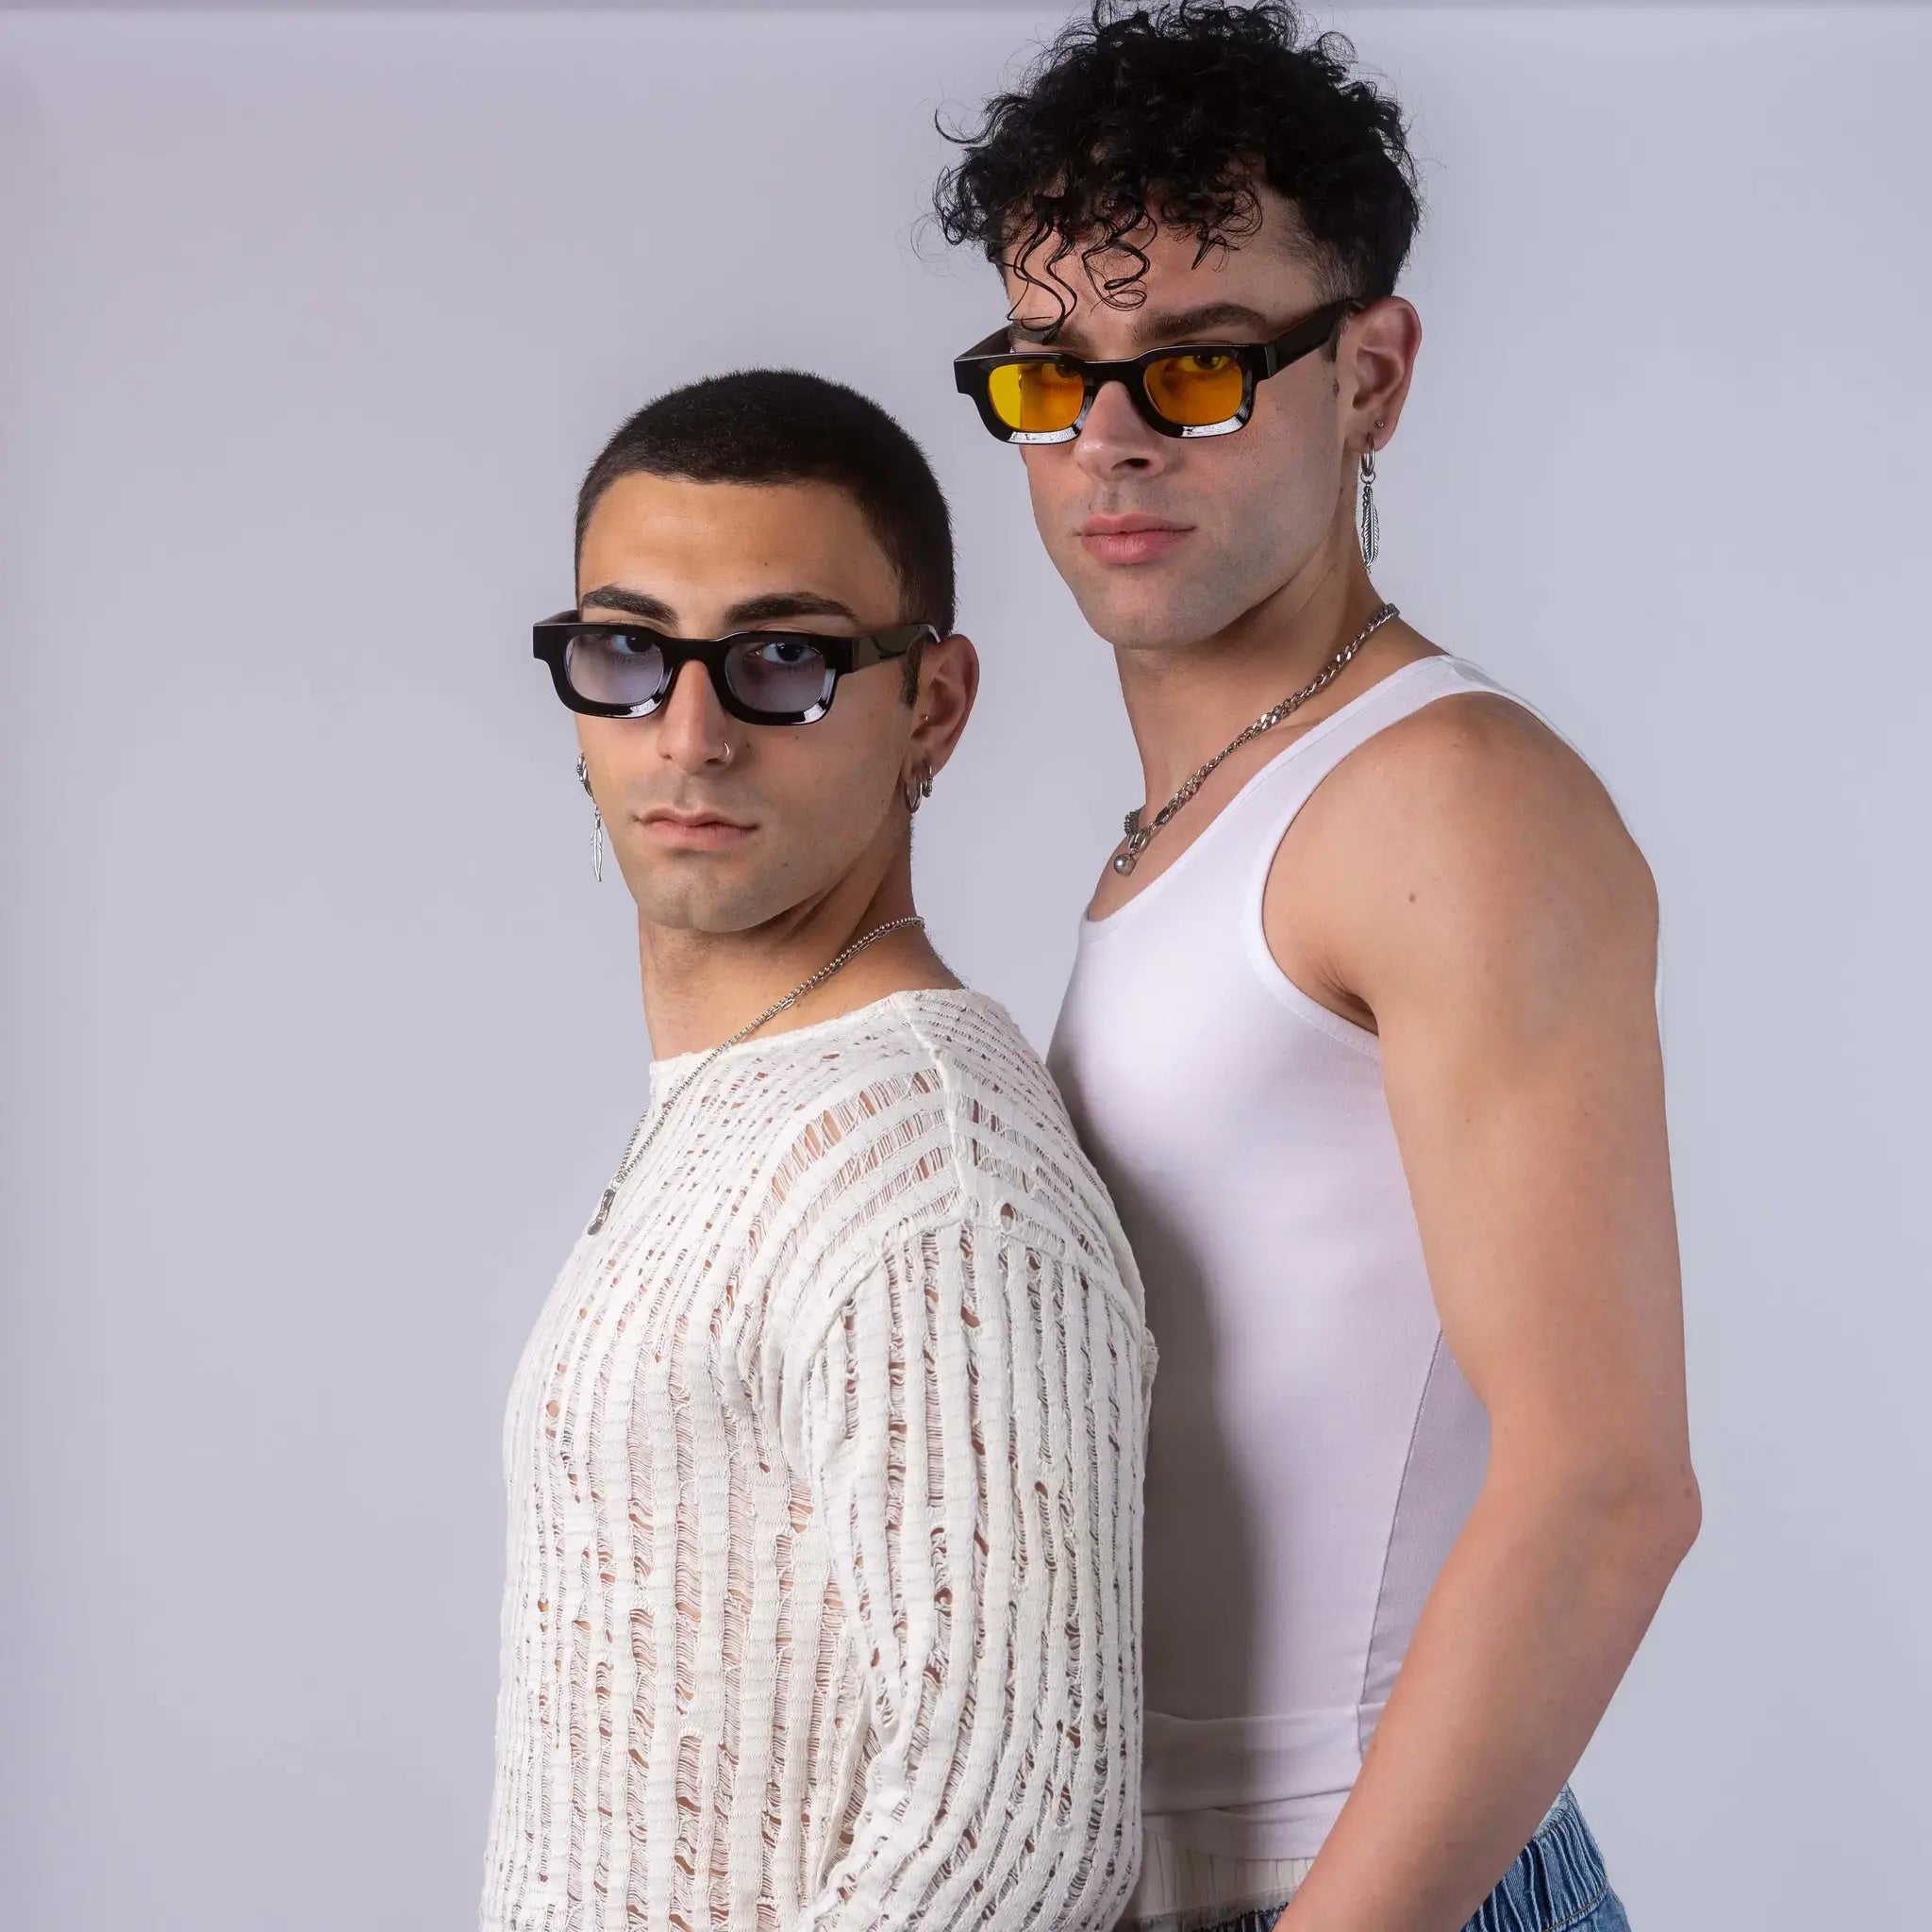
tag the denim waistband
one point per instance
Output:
(1557, 1880)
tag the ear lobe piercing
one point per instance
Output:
(1370, 518)
(597, 821)
(915, 789)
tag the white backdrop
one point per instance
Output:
(320, 1039)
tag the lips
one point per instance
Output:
(698, 831)
(1131, 539)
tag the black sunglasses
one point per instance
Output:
(1190, 389)
(762, 677)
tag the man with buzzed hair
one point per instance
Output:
(825, 1458)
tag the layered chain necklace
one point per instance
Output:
(1139, 837)
(641, 1141)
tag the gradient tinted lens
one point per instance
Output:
(782, 675)
(616, 668)
(1195, 389)
(1037, 394)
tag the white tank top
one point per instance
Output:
(1313, 1447)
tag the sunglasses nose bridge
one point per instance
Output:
(1119, 424)
(693, 727)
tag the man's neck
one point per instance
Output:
(701, 988)
(1186, 702)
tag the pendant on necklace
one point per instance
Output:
(1139, 837)
(597, 1220)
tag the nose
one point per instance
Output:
(694, 728)
(1115, 442)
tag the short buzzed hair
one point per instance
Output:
(785, 426)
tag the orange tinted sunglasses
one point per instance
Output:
(1190, 389)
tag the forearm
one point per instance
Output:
(1532, 1623)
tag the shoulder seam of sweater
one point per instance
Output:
(1064, 1238)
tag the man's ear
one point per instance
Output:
(1376, 363)
(948, 684)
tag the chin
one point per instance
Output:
(692, 902)
(719, 895)
(1133, 608)
(1144, 622)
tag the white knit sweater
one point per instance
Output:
(825, 1467)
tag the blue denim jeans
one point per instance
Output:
(1558, 1884)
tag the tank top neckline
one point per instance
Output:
(1094, 928)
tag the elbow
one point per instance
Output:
(1639, 1513)
(1686, 1520)
(1646, 1514)
(1660, 1496)
(1688, 1510)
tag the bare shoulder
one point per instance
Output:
(1466, 838)
(1479, 761)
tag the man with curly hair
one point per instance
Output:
(1363, 1030)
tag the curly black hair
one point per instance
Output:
(1166, 114)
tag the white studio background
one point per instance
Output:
(320, 1039)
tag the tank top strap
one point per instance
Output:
(1281, 788)
(1276, 793)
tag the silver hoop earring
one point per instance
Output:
(597, 821)
(1371, 517)
(916, 790)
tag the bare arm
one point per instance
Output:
(1464, 886)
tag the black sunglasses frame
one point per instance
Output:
(553, 637)
(973, 375)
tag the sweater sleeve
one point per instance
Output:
(972, 1424)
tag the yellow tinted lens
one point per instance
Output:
(1195, 389)
(1037, 394)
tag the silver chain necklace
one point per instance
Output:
(640, 1141)
(1138, 836)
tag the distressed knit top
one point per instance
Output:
(824, 1468)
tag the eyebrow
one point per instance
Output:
(632, 603)
(747, 612)
(788, 604)
(1180, 325)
